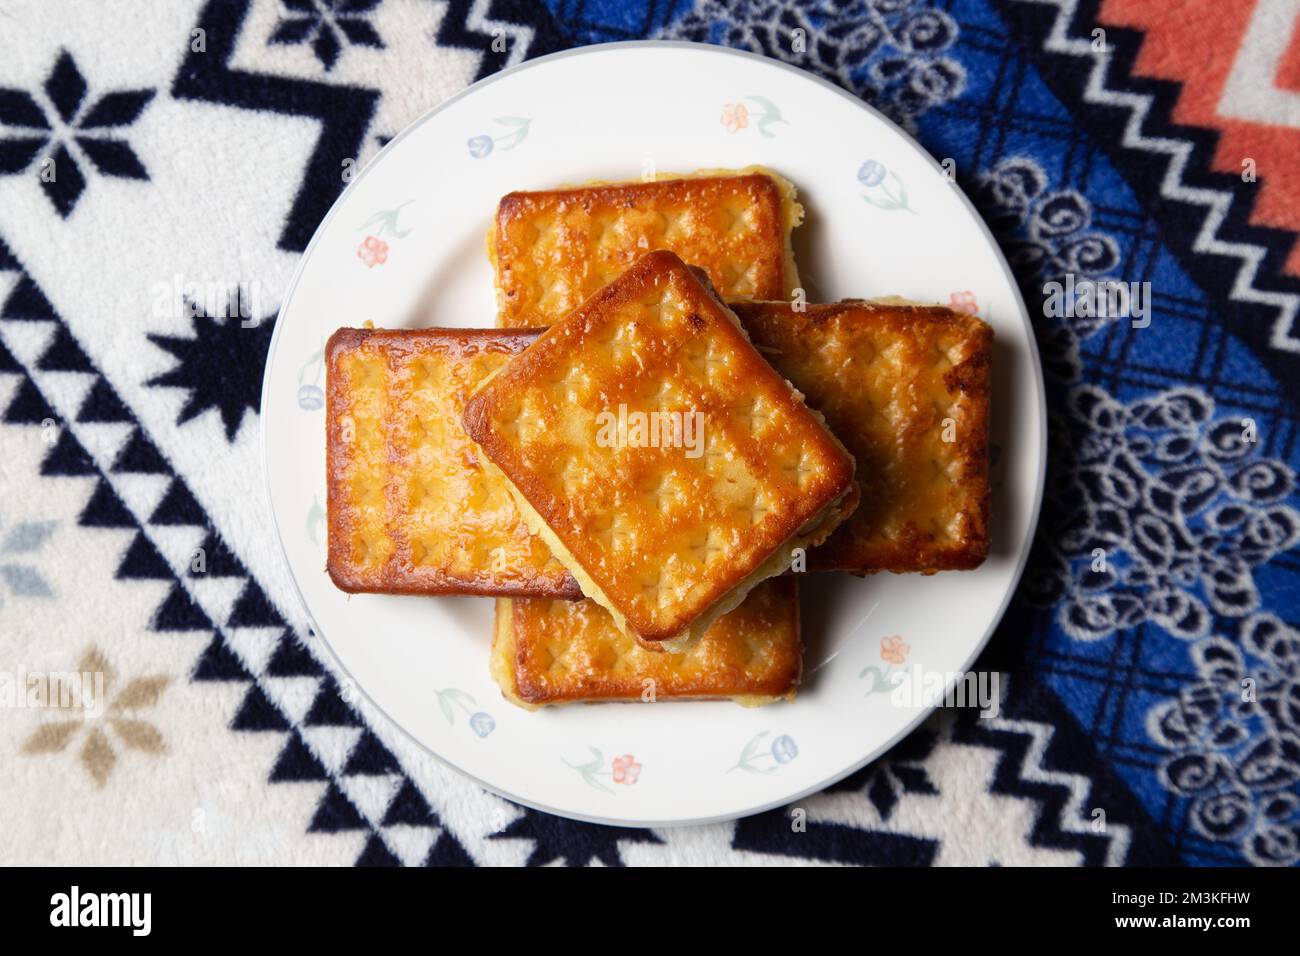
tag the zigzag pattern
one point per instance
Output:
(526, 27)
(1064, 819)
(1217, 205)
(1043, 759)
(344, 112)
(136, 489)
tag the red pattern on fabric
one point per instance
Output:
(1197, 42)
(1288, 74)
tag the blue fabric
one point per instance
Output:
(1148, 462)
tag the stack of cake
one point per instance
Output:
(656, 440)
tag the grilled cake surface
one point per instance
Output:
(669, 535)
(553, 248)
(560, 652)
(906, 388)
(412, 506)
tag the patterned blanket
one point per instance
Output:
(1151, 662)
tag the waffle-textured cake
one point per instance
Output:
(412, 506)
(552, 249)
(563, 652)
(661, 458)
(906, 388)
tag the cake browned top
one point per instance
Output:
(658, 532)
(412, 505)
(554, 652)
(906, 388)
(553, 248)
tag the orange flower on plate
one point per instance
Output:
(373, 252)
(893, 649)
(965, 302)
(626, 769)
(735, 117)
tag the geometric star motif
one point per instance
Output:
(326, 24)
(556, 839)
(61, 135)
(221, 366)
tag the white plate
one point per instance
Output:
(403, 247)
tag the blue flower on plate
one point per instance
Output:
(784, 749)
(886, 188)
(515, 132)
(482, 723)
(310, 398)
(872, 173)
(753, 759)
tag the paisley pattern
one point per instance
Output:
(892, 53)
(1235, 738)
(1162, 510)
(1048, 236)
(1167, 512)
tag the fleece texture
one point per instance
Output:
(1149, 700)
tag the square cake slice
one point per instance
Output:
(553, 248)
(661, 458)
(906, 388)
(413, 508)
(563, 652)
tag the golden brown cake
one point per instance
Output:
(551, 249)
(670, 531)
(906, 388)
(563, 652)
(412, 506)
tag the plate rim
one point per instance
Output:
(1035, 362)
